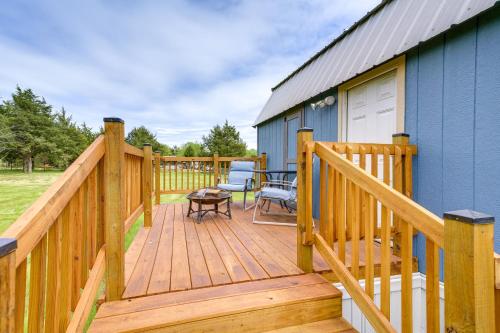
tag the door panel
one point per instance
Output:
(292, 124)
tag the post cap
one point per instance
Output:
(469, 216)
(147, 144)
(7, 245)
(406, 135)
(113, 120)
(304, 129)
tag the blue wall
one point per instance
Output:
(270, 140)
(453, 115)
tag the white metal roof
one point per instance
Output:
(392, 28)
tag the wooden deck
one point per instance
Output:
(177, 254)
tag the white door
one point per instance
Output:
(371, 118)
(371, 110)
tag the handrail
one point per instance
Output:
(422, 219)
(30, 227)
(355, 200)
(132, 150)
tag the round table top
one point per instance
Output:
(209, 197)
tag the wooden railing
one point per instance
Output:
(185, 174)
(59, 250)
(348, 213)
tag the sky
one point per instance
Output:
(176, 67)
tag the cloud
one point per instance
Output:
(177, 67)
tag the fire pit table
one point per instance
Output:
(209, 196)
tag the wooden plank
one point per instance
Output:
(341, 205)
(134, 251)
(162, 268)
(139, 280)
(215, 265)
(181, 278)
(54, 256)
(432, 300)
(385, 259)
(129, 222)
(253, 268)
(35, 222)
(20, 295)
(321, 326)
(157, 178)
(132, 150)
(376, 318)
(195, 295)
(66, 270)
(233, 266)
(76, 210)
(36, 312)
(308, 237)
(82, 311)
(114, 213)
(362, 203)
(266, 260)
(197, 265)
(355, 231)
(84, 269)
(242, 312)
(92, 216)
(349, 202)
(421, 219)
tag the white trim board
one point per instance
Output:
(352, 314)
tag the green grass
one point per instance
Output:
(19, 190)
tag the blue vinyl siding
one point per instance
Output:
(453, 115)
(270, 139)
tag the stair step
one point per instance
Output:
(335, 325)
(256, 306)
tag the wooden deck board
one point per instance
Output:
(177, 253)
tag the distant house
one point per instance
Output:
(430, 69)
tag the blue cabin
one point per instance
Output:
(429, 69)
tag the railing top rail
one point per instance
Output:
(34, 223)
(132, 150)
(422, 219)
(207, 159)
(341, 147)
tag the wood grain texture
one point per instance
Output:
(8, 293)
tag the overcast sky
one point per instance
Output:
(177, 67)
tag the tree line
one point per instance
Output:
(32, 133)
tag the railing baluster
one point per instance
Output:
(432, 286)
(341, 216)
(362, 203)
(385, 261)
(66, 268)
(323, 221)
(76, 220)
(8, 248)
(369, 235)
(374, 171)
(330, 232)
(54, 276)
(37, 286)
(349, 198)
(20, 295)
(85, 235)
(355, 232)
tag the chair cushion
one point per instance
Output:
(242, 166)
(232, 187)
(239, 177)
(274, 193)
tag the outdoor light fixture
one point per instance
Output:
(327, 101)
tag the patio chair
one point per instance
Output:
(278, 191)
(240, 179)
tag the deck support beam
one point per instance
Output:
(114, 207)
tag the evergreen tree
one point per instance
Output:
(138, 136)
(224, 140)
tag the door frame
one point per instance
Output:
(297, 113)
(398, 64)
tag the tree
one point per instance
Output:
(225, 141)
(190, 149)
(138, 136)
(30, 121)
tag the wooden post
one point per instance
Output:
(114, 207)
(216, 169)
(7, 285)
(469, 272)
(263, 167)
(147, 167)
(399, 139)
(304, 251)
(157, 178)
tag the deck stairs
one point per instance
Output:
(300, 303)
